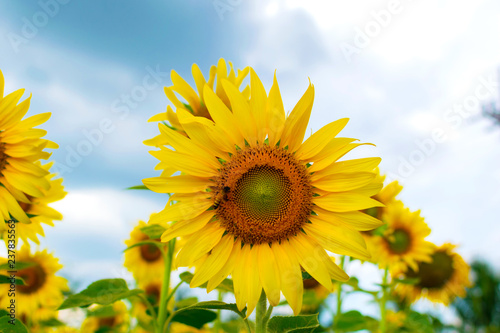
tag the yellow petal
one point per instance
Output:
(269, 273)
(222, 116)
(345, 202)
(185, 90)
(241, 112)
(355, 220)
(307, 250)
(258, 100)
(290, 275)
(184, 210)
(187, 146)
(215, 261)
(339, 182)
(13, 208)
(296, 123)
(189, 164)
(316, 142)
(171, 96)
(239, 278)
(340, 240)
(199, 244)
(199, 79)
(186, 227)
(362, 164)
(176, 184)
(253, 285)
(226, 269)
(332, 156)
(275, 113)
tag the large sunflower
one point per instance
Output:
(255, 202)
(145, 262)
(38, 209)
(20, 146)
(441, 280)
(42, 289)
(403, 243)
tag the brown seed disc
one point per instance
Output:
(34, 278)
(263, 195)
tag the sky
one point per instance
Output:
(411, 75)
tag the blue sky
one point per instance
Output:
(411, 75)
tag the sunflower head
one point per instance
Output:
(42, 292)
(440, 280)
(402, 243)
(145, 261)
(254, 200)
(20, 145)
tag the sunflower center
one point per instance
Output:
(153, 293)
(310, 283)
(107, 322)
(34, 278)
(435, 274)
(399, 242)
(150, 252)
(262, 195)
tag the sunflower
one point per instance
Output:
(255, 202)
(20, 146)
(403, 243)
(443, 278)
(42, 289)
(145, 262)
(38, 210)
(110, 318)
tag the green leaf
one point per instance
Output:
(148, 242)
(138, 187)
(186, 302)
(154, 231)
(8, 325)
(17, 266)
(52, 322)
(105, 311)
(195, 317)
(306, 276)
(354, 321)
(6, 280)
(215, 305)
(226, 285)
(3, 313)
(295, 324)
(103, 292)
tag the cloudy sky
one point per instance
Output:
(411, 75)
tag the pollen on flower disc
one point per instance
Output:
(267, 195)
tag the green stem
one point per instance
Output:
(383, 302)
(162, 315)
(339, 291)
(260, 314)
